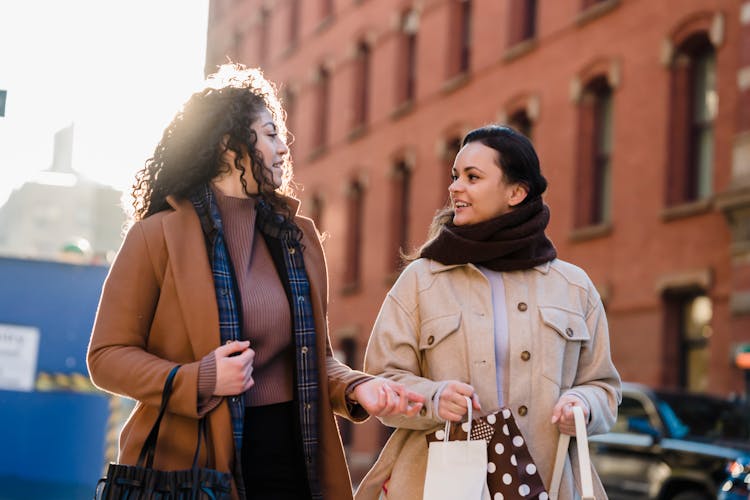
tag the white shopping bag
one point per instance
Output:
(457, 470)
(584, 462)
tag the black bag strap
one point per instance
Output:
(201, 434)
(149, 446)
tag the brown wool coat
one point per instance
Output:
(158, 308)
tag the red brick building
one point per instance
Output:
(640, 113)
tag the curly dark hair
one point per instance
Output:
(190, 151)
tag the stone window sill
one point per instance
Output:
(591, 232)
(596, 11)
(688, 209)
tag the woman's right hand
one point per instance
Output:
(452, 405)
(234, 368)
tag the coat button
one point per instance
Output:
(291, 251)
(522, 410)
(522, 306)
(423, 411)
(569, 332)
(525, 355)
(430, 340)
(304, 349)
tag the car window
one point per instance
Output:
(673, 423)
(705, 417)
(630, 408)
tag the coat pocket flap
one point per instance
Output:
(570, 325)
(434, 330)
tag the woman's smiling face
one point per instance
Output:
(479, 191)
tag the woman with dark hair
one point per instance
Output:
(487, 311)
(220, 274)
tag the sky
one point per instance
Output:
(118, 71)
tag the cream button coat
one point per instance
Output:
(436, 324)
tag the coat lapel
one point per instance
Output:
(193, 279)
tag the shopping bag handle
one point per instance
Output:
(448, 423)
(584, 462)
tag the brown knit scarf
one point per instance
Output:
(509, 242)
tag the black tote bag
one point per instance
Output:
(143, 482)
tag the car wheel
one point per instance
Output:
(690, 495)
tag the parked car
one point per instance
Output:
(671, 445)
(737, 485)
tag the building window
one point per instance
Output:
(694, 104)
(355, 212)
(321, 113)
(361, 85)
(585, 4)
(264, 33)
(215, 11)
(688, 330)
(326, 8)
(594, 154)
(450, 150)
(316, 211)
(400, 213)
(289, 102)
(294, 17)
(407, 57)
(521, 122)
(460, 37)
(238, 41)
(522, 21)
(348, 355)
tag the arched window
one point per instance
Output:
(522, 21)
(316, 211)
(687, 324)
(460, 37)
(320, 134)
(289, 102)
(407, 57)
(354, 232)
(450, 148)
(361, 85)
(595, 130)
(294, 19)
(264, 34)
(521, 122)
(401, 175)
(693, 107)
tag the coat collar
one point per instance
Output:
(438, 267)
(192, 274)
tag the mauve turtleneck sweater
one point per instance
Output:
(266, 317)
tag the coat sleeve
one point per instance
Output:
(393, 351)
(597, 381)
(117, 358)
(339, 375)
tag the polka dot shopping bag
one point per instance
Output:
(508, 471)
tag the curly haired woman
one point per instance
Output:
(220, 274)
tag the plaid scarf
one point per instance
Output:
(275, 226)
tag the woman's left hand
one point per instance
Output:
(562, 413)
(381, 397)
